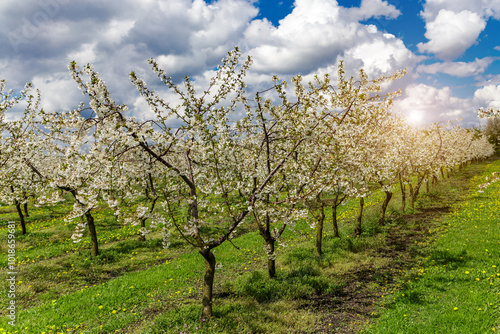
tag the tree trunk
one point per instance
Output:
(21, 217)
(93, 233)
(270, 241)
(319, 231)
(271, 258)
(26, 213)
(412, 191)
(143, 226)
(334, 219)
(151, 208)
(416, 190)
(412, 200)
(358, 229)
(208, 284)
(413, 195)
(403, 194)
(385, 204)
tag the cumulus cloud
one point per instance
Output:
(487, 80)
(373, 8)
(52, 86)
(116, 31)
(193, 35)
(454, 25)
(458, 69)
(313, 34)
(381, 55)
(485, 8)
(488, 96)
(189, 37)
(153, 27)
(86, 54)
(320, 32)
(40, 37)
(451, 33)
(436, 105)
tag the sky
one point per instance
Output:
(450, 48)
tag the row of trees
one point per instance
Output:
(492, 130)
(217, 158)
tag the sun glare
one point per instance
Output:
(415, 117)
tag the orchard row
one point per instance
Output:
(205, 164)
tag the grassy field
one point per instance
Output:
(454, 286)
(428, 270)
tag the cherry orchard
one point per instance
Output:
(217, 159)
(209, 163)
(19, 138)
(488, 113)
(336, 162)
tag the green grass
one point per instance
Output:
(455, 285)
(138, 287)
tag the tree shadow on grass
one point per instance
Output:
(450, 260)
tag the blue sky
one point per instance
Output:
(451, 48)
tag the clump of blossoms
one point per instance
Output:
(490, 112)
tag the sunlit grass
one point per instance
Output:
(138, 287)
(55, 274)
(455, 287)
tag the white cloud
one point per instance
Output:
(372, 29)
(373, 8)
(436, 105)
(85, 55)
(382, 55)
(458, 69)
(191, 36)
(451, 33)
(454, 25)
(497, 48)
(485, 8)
(59, 92)
(488, 96)
(313, 34)
(117, 37)
(117, 30)
(487, 80)
(319, 32)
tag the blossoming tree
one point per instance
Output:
(17, 142)
(208, 169)
(345, 144)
